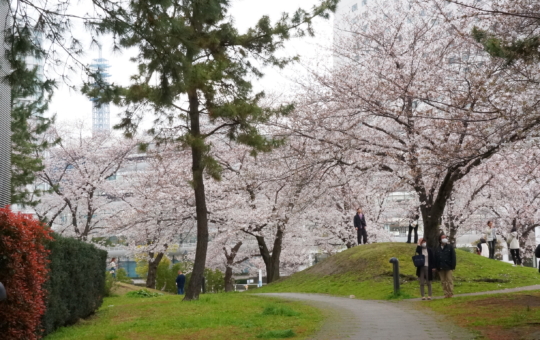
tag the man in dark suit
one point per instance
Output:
(360, 226)
(180, 282)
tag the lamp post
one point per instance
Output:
(395, 262)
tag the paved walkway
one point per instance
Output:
(375, 320)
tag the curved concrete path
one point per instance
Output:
(377, 320)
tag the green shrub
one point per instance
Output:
(215, 280)
(109, 284)
(143, 293)
(76, 284)
(122, 276)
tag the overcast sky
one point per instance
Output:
(69, 105)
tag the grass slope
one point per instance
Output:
(214, 316)
(497, 317)
(365, 272)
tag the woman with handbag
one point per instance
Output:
(425, 271)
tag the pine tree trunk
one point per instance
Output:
(197, 150)
(152, 270)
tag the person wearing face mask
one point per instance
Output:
(425, 273)
(445, 262)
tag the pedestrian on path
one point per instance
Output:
(514, 247)
(537, 254)
(483, 248)
(413, 226)
(113, 267)
(360, 226)
(180, 282)
(445, 262)
(425, 273)
(491, 237)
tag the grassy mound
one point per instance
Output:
(365, 272)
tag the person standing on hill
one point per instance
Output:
(445, 262)
(413, 226)
(360, 226)
(180, 282)
(425, 273)
(514, 247)
(491, 238)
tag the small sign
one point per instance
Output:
(250, 281)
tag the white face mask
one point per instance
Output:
(444, 241)
(424, 245)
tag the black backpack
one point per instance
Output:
(537, 251)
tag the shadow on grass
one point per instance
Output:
(288, 333)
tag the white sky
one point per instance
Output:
(69, 105)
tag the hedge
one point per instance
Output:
(23, 270)
(76, 283)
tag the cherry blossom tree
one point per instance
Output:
(79, 172)
(159, 212)
(414, 95)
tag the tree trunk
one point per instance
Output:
(271, 262)
(152, 270)
(197, 151)
(452, 231)
(229, 285)
(431, 227)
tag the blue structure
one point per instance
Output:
(101, 115)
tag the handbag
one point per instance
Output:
(419, 260)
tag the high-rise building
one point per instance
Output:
(101, 115)
(5, 113)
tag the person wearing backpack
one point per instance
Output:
(514, 247)
(425, 273)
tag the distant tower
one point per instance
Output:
(101, 115)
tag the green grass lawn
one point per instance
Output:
(499, 317)
(365, 272)
(214, 316)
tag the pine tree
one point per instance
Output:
(30, 96)
(194, 77)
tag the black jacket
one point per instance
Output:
(445, 258)
(360, 222)
(431, 262)
(181, 280)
